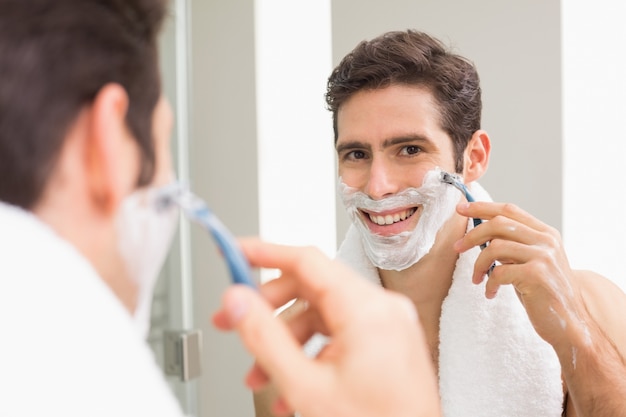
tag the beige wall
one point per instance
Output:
(235, 64)
(223, 170)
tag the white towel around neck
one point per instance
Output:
(492, 363)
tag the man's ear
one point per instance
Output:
(112, 161)
(476, 156)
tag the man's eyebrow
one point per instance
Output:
(405, 139)
(355, 144)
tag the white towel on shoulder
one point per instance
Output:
(491, 360)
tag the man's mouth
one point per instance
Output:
(391, 218)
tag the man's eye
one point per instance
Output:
(352, 155)
(412, 149)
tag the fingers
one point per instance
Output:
(515, 237)
(277, 352)
(280, 291)
(306, 324)
(502, 251)
(526, 268)
(500, 227)
(256, 379)
(499, 276)
(332, 287)
(511, 274)
(488, 210)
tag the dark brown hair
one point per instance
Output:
(54, 58)
(413, 58)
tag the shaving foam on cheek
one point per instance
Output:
(398, 252)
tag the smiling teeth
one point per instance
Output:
(390, 219)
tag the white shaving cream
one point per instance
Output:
(400, 251)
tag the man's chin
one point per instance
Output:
(383, 241)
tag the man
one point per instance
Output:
(406, 112)
(84, 137)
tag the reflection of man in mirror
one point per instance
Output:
(84, 140)
(406, 110)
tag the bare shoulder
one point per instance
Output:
(603, 297)
(606, 303)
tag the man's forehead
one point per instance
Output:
(394, 111)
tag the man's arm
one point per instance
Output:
(592, 358)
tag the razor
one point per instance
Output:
(196, 209)
(455, 181)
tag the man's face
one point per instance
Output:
(388, 139)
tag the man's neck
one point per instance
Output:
(428, 281)
(99, 246)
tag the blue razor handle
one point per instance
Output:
(471, 199)
(197, 210)
(236, 261)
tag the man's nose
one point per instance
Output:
(382, 181)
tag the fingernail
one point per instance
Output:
(236, 306)
(491, 294)
(463, 206)
(458, 245)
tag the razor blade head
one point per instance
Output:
(455, 181)
(450, 178)
(168, 196)
(177, 194)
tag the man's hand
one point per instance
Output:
(376, 363)
(530, 257)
